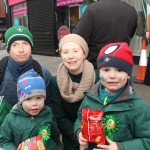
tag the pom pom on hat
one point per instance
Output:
(117, 55)
(18, 33)
(30, 84)
(77, 39)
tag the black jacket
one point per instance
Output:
(104, 22)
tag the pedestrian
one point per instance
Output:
(75, 75)
(19, 45)
(107, 21)
(1, 40)
(125, 116)
(147, 35)
(77, 25)
(30, 118)
(147, 73)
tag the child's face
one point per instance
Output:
(33, 105)
(113, 79)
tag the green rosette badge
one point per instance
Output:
(111, 125)
(45, 133)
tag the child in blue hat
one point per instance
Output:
(30, 123)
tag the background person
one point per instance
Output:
(75, 75)
(147, 74)
(126, 117)
(29, 117)
(1, 40)
(107, 21)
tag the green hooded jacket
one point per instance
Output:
(18, 126)
(131, 111)
(66, 113)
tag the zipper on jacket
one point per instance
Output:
(20, 67)
(21, 136)
(32, 118)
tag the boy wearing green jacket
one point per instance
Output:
(126, 118)
(30, 124)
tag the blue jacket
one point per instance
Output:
(8, 88)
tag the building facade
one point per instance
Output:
(39, 17)
(2, 18)
(50, 20)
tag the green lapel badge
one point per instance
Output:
(45, 133)
(111, 125)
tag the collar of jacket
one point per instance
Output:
(124, 102)
(20, 112)
(124, 96)
(16, 69)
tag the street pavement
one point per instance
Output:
(52, 63)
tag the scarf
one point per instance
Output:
(16, 69)
(71, 91)
(106, 97)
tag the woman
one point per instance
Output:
(75, 75)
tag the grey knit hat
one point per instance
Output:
(77, 39)
(30, 84)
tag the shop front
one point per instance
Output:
(39, 17)
(69, 13)
(50, 20)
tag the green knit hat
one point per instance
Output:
(17, 33)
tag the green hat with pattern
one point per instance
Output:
(17, 33)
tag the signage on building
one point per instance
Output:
(68, 2)
(12, 2)
(20, 11)
(63, 30)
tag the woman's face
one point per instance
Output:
(73, 56)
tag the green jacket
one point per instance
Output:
(18, 126)
(66, 113)
(133, 115)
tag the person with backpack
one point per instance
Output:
(19, 45)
